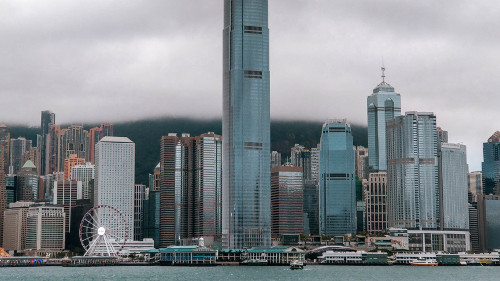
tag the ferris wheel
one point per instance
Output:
(103, 231)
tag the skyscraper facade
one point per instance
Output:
(84, 173)
(246, 125)
(453, 187)
(95, 135)
(27, 182)
(72, 140)
(48, 119)
(115, 181)
(383, 105)
(3, 192)
(412, 174)
(5, 142)
(376, 202)
(17, 149)
(475, 182)
(337, 187)
(286, 200)
(491, 165)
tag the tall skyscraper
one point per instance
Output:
(475, 183)
(246, 181)
(17, 149)
(48, 119)
(95, 135)
(412, 174)
(491, 165)
(337, 186)
(361, 162)
(190, 187)
(72, 140)
(27, 182)
(52, 149)
(115, 181)
(139, 197)
(383, 105)
(3, 192)
(286, 200)
(5, 142)
(376, 202)
(453, 188)
(275, 159)
(84, 173)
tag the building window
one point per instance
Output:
(253, 29)
(253, 74)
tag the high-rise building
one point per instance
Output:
(315, 160)
(34, 155)
(376, 202)
(84, 173)
(115, 181)
(95, 135)
(5, 142)
(337, 187)
(52, 145)
(275, 159)
(48, 119)
(151, 225)
(45, 225)
(14, 228)
(139, 197)
(453, 197)
(65, 195)
(3, 192)
(17, 149)
(491, 165)
(246, 181)
(190, 187)
(489, 224)
(383, 105)
(11, 188)
(412, 174)
(301, 157)
(27, 182)
(286, 200)
(361, 162)
(311, 208)
(72, 140)
(475, 183)
(442, 136)
(71, 162)
(474, 227)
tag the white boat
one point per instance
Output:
(296, 264)
(424, 262)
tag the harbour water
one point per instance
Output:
(406, 273)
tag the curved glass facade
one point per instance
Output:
(246, 125)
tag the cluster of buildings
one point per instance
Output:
(235, 193)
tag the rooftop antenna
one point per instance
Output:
(383, 70)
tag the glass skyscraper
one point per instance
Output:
(453, 187)
(383, 105)
(412, 174)
(491, 165)
(246, 125)
(337, 184)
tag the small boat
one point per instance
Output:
(424, 262)
(296, 264)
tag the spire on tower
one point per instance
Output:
(383, 73)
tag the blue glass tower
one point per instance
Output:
(491, 165)
(337, 180)
(383, 105)
(246, 217)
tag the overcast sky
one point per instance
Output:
(107, 60)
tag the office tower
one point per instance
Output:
(286, 200)
(475, 183)
(376, 202)
(34, 155)
(151, 225)
(45, 225)
(361, 162)
(114, 182)
(71, 162)
(48, 119)
(84, 173)
(139, 197)
(315, 160)
(453, 197)
(5, 142)
(52, 145)
(489, 224)
(295, 154)
(442, 136)
(95, 135)
(383, 105)
(337, 187)
(14, 228)
(190, 187)
(27, 182)
(491, 165)
(301, 157)
(311, 209)
(412, 174)
(3, 192)
(11, 188)
(65, 195)
(474, 227)
(73, 140)
(17, 149)
(275, 159)
(246, 125)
